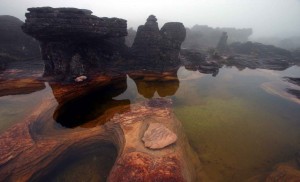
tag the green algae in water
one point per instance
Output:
(237, 129)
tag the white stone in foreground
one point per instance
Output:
(80, 78)
(157, 136)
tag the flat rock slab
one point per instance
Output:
(157, 136)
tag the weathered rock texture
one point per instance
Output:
(157, 136)
(15, 45)
(74, 42)
(32, 149)
(158, 49)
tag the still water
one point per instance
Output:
(240, 122)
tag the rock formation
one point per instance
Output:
(222, 45)
(157, 136)
(74, 42)
(255, 55)
(14, 44)
(158, 49)
(203, 36)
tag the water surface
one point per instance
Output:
(241, 123)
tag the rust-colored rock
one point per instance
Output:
(138, 166)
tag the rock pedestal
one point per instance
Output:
(73, 41)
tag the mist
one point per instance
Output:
(267, 18)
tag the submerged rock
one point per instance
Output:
(75, 42)
(157, 136)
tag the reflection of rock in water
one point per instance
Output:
(98, 104)
(165, 84)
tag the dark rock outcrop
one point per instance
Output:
(222, 45)
(14, 44)
(195, 60)
(74, 42)
(296, 55)
(158, 49)
(256, 55)
(259, 50)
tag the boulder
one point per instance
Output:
(157, 136)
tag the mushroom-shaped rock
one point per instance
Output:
(157, 136)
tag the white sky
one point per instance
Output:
(266, 17)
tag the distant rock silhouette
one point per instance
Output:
(130, 37)
(222, 45)
(203, 36)
(14, 44)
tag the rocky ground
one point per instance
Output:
(84, 55)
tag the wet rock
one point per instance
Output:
(138, 166)
(194, 60)
(14, 44)
(284, 172)
(157, 136)
(154, 48)
(74, 42)
(20, 86)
